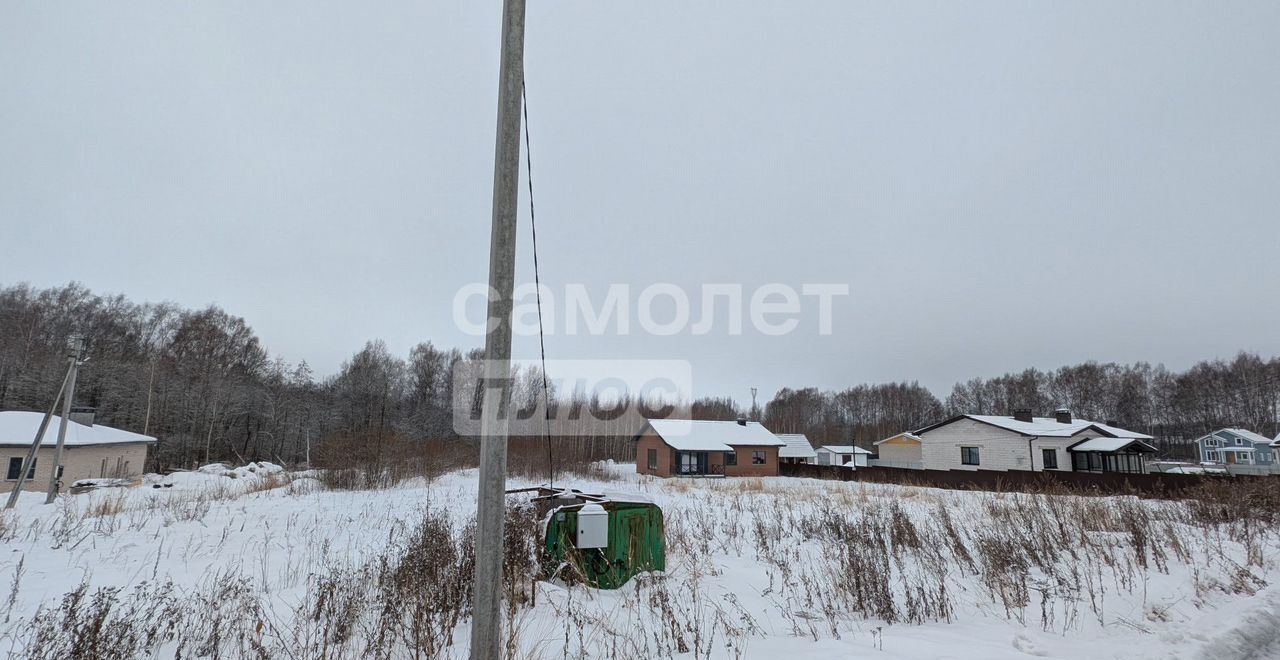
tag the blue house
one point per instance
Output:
(1236, 447)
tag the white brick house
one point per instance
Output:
(1023, 442)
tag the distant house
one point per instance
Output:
(901, 451)
(797, 449)
(1023, 442)
(842, 455)
(89, 451)
(698, 448)
(1236, 446)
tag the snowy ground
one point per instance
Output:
(772, 568)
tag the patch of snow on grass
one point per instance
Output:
(756, 568)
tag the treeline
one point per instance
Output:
(857, 415)
(1174, 407)
(201, 382)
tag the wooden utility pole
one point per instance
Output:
(54, 473)
(486, 625)
(146, 422)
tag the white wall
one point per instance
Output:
(999, 449)
(828, 458)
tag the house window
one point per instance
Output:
(1213, 456)
(1050, 458)
(757, 458)
(1087, 461)
(653, 459)
(969, 456)
(1211, 442)
(15, 467)
(1239, 441)
(730, 458)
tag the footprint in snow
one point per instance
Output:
(1026, 645)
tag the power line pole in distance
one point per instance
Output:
(77, 349)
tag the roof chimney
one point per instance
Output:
(1112, 422)
(83, 415)
(1022, 415)
(742, 421)
(1063, 415)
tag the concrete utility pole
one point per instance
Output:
(77, 349)
(486, 625)
(28, 463)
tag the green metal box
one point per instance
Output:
(636, 544)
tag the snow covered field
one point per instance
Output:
(268, 564)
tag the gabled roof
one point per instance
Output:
(707, 435)
(18, 428)
(905, 434)
(1111, 444)
(1243, 434)
(797, 446)
(1041, 427)
(844, 449)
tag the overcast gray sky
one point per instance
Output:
(1001, 184)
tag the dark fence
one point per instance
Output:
(1080, 483)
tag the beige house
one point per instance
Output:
(90, 451)
(900, 451)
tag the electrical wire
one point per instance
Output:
(537, 283)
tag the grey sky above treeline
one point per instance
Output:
(1001, 184)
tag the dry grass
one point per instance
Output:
(269, 482)
(834, 558)
(405, 601)
(746, 485)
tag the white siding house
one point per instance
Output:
(842, 455)
(1023, 442)
(1236, 447)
